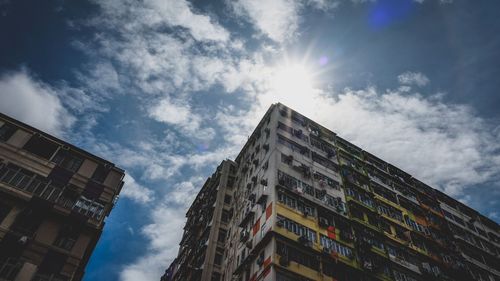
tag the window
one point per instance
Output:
(222, 235)
(51, 266)
(390, 211)
(355, 213)
(294, 184)
(360, 197)
(28, 181)
(89, 207)
(324, 180)
(226, 216)
(66, 239)
(324, 162)
(336, 247)
(297, 255)
(323, 146)
(399, 276)
(285, 128)
(218, 258)
(298, 229)
(216, 276)
(27, 222)
(6, 131)
(294, 203)
(299, 119)
(230, 182)
(293, 145)
(41, 146)
(100, 173)
(71, 162)
(4, 211)
(227, 199)
(287, 200)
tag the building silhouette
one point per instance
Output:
(53, 201)
(301, 203)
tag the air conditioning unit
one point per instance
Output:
(368, 265)
(263, 182)
(244, 235)
(23, 240)
(323, 222)
(280, 223)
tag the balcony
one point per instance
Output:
(9, 268)
(360, 198)
(404, 263)
(49, 277)
(29, 182)
(247, 216)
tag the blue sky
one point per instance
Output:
(167, 89)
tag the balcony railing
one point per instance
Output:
(9, 268)
(49, 277)
(29, 182)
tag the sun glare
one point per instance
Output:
(292, 79)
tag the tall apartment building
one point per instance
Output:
(53, 201)
(305, 204)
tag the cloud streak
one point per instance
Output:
(34, 102)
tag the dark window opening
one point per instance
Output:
(41, 146)
(4, 211)
(68, 234)
(6, 131)
(68, 160)
(100, 173)
(27, 222)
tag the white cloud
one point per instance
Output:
(179, 13)
(413, 78)
(135, 191)
(277, 19)
(164, 232)
(164, 245)
(182, 115)
(152, 14)
(34, 102)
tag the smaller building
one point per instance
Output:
(202, 246)
(54, 198)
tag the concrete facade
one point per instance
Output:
(309, 205)
(54, 198)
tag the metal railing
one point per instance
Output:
(9, 268)
(30, 182)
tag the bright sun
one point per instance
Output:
(292, 79)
